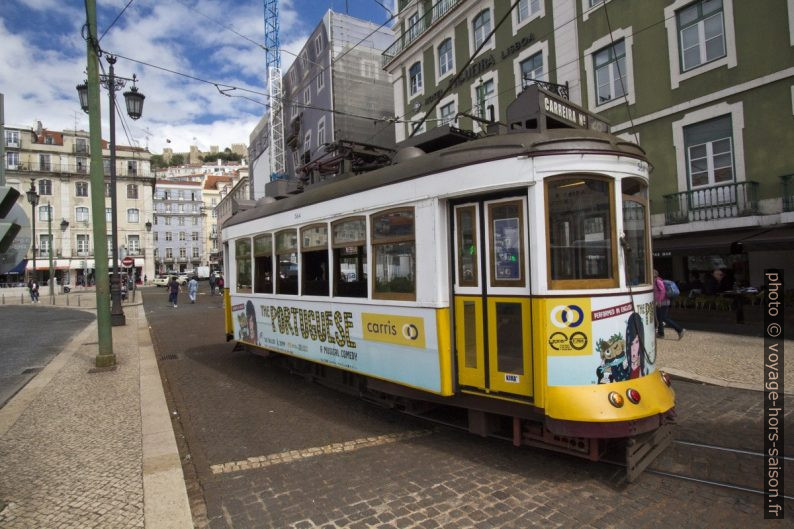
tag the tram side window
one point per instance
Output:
(263, 264)
(314, 260)
(635, 229)
(581, 242)
(242, 254)
(350, 257)
(287, 262)
(394, 254)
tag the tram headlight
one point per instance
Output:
(633, 395)
(666, 378)
(615, 399)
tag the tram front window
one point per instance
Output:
(635, 219)
(287, 262)
(581, 233)
(263, 264)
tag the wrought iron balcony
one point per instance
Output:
(736, 199)
(439, 9)
(788, 192)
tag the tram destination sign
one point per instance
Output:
(572, 114)
(548, 110)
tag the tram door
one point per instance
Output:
(492, 306)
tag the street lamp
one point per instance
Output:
(134, 103)
(33, 198)
(51, 279)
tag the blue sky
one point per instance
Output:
(43, 57)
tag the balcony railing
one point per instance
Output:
(439, 9)
(737, 199)
(71, 168)
(788, 192)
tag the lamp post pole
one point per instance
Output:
(49, 251)
(116, 312)
(33, 198)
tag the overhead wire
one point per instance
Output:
(115, 20)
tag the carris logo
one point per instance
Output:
(566, 316)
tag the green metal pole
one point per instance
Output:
(105, 356)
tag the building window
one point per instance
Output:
(320, 80)
(81, 166)
(48, 140)
(12, 138)
(181, 221)
(12, 160)
(169, 253)
(701, 31)
(183, 253)
(447, 113)
(45, 213)
(610, 72)
(132, 191)
(194, 236)
(108, 215)
(133, 215)
(287, 262)
(445, 58)
(527, 8)
(263, 264)
(318, 44)
(304, 60)
(484, 93)
(195, 221)
(44, 245)
(81, 214)
(45, 187)
(321, 132)
(307, 95)
(134, 244)
(182, 236)
(155, 236)
(82, 245)
(481, 26)
(81, 189)
(132, 168)
(168, 236)
(414, 27)
(415, 76)
(108, 189)
(81, 145)
(349, 242)
(167, 221)
(531, 68)
(106, 168)
(195, 252)
(307, 142)
(394, 254)
(709, 150)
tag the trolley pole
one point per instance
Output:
(105, 356)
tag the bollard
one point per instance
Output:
(78, 301)
(22, 299)
(67, 299)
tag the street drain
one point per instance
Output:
(169, 357)
(31, 370)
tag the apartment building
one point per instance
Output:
(179, 244)
(694, 82)
(57, 165)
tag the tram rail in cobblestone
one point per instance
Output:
(727, 449)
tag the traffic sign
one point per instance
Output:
(128, 262)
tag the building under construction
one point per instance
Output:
(337, 105)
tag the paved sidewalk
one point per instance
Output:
(81, 298)
(93, 449)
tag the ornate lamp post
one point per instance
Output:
(33, 199)
(134, 102)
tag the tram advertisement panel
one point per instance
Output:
(392, 343)
(598, 340)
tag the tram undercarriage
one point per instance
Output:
(515, 422)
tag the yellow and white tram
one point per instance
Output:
(508, 276)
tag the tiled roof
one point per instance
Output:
(212, 180)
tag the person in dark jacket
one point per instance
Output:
(173, 290)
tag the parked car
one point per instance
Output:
(161, 281)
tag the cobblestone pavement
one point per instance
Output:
(263, 448)
(73, 458)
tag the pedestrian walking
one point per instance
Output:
(663, 307)
(173, 290)
(192, 289)
(33, 288)
(145, 279)
(212, 284)
(220, 283)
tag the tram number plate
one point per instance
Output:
(515, 379)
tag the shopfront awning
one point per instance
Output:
(778, 238)
(43, 263)
(717, 242)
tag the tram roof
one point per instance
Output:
(549, 142)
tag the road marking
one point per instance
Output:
(297, 455)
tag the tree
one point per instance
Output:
(177, 159)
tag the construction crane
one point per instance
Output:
(273, 63)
